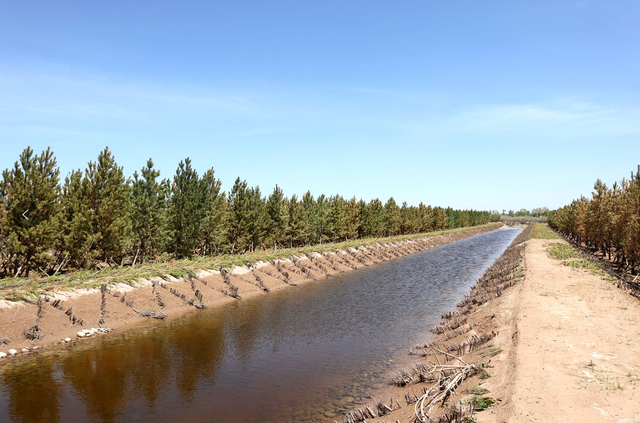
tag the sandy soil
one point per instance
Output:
(75, 316)
(568, 349)
(578, 352)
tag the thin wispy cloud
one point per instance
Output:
(567, 117)
(85, 97)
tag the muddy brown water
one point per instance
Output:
(305, 354)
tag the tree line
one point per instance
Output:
(537, 212)
(99, 217)
(608, 222)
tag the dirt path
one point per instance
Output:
(577, 352)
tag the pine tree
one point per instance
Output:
(148, 212)
(440, 219)
(464, 219)
(609, 222)
(279, 215)
(318, 212)
(364, 217)
(426, 217)
(239, 215)
(31, 216)
(297, 231)
(75, 240)
(107, 193)
(353, 219)
(214, 226)
(96, 213)
(453, 218)
(372, 218)
(391, 217)
(336, 228)
(311, 207)
(259, 220)
(409, 220)
(186, 210)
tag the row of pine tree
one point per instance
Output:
(100, 217)
(607, 223)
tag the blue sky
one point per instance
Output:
(485, 105)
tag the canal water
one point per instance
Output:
(304, 354)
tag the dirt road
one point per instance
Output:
(576, 356)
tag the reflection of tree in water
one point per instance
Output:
(197, 352)
(108, 379)
(245, 326)
(100, 377)
(34, 393)
(151, 367)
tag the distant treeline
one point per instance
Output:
(522, 219)
(99, 217)
(537, 212)
(608, 223)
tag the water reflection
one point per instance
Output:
(302, 354)
(35, 398)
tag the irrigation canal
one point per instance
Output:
(304, 354)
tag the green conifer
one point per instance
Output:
(75, 240)
(453, 218)
(148, 212)
(336, 229)
(464, 219)
(107, 193)
(214, 225)
(239, 215)
(318, 212)
(96, 213)
(259, 220)
(310, 206)
(440, 219)
(186, 210)
(353, 219)
(31, 216)
(392, 218)
(409, 219)
(364, 217)
(297, 231)
(372, 218)
(279, 215)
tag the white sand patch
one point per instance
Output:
(70, 295)
(239, 270)
(6, 305)
(206, 273)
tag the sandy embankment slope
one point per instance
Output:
(576, 355)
